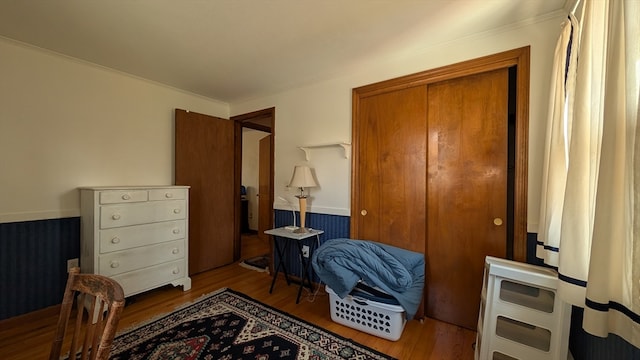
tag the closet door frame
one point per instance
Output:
(517, 57)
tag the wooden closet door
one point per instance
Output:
(464, 203)
(389, 188)
(205, 160)
(467, 190)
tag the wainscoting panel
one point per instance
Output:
(334, 226)
(33, 257)
(585, 346)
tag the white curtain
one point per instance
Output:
(559, 121)
(590, 209)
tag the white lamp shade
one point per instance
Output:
(302, 177)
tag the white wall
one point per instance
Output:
(66, 123)
(321, 112)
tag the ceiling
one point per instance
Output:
(232, 50)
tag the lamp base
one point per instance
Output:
(301, 230)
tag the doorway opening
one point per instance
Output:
(256, 173)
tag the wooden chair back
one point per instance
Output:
(99, 302)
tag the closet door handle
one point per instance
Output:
(363, 212)
(497, 221)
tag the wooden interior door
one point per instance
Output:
(467, 190)
(265, 192)
(205, 149)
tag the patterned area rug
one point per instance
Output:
(258, 263)
(229, 325)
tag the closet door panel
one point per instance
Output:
(391, 169)
(467, 190)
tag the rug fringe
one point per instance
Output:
(178, 308)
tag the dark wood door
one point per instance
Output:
(205, 160)
(467, 190)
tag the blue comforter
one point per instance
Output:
(341, 263)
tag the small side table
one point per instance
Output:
(288, 236)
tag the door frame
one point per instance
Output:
(263, 120)
(517, 57)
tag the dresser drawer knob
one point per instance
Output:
(126, 197)
(114, 264)
(175, 251)
(176, 211)
(115, 240)
(176, 271)
(168, 195)
(115, 216)
(176, 231)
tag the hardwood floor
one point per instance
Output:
(29, 336)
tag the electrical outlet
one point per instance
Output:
(305, 251)
(71, 263)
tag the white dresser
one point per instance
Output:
(136, 235)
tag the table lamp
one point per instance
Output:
(302, 178)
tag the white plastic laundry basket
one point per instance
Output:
(383, 320)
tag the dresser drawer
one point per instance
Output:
(167, 194)
(123, 196)
(141, 213)
(122, 238)
(145, 279)
(133, 259)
